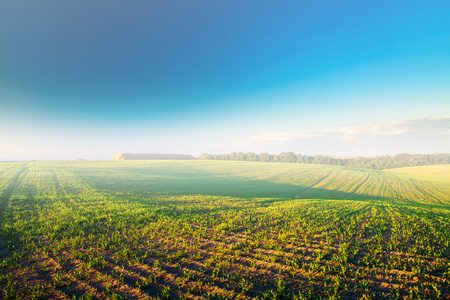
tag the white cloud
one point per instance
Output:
(371, 129)
(427, 125)
(434, 125)
(443, 132)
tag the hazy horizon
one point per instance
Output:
(89, 80)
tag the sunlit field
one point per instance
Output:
(222, 230)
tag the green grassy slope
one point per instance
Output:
(253, 179)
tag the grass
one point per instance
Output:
(222, 230)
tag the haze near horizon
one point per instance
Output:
(91, 79)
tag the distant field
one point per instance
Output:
(222, 230)
(436, 173)
(255, 179)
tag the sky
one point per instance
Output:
(91, 79)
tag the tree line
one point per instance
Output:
(375, 163)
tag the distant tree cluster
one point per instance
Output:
(375, 163)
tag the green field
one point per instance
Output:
(222, 230)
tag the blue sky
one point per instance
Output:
(90, 79)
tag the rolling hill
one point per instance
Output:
(426, 185)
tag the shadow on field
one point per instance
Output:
(212, 185)
(8, 234)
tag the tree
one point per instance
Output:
(233, 156)
(204, 156)
(250, 156)
(307, 159)
(318, 159)
(264, 157)
(240, 156)
(287, 157)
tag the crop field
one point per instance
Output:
(222, 230)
